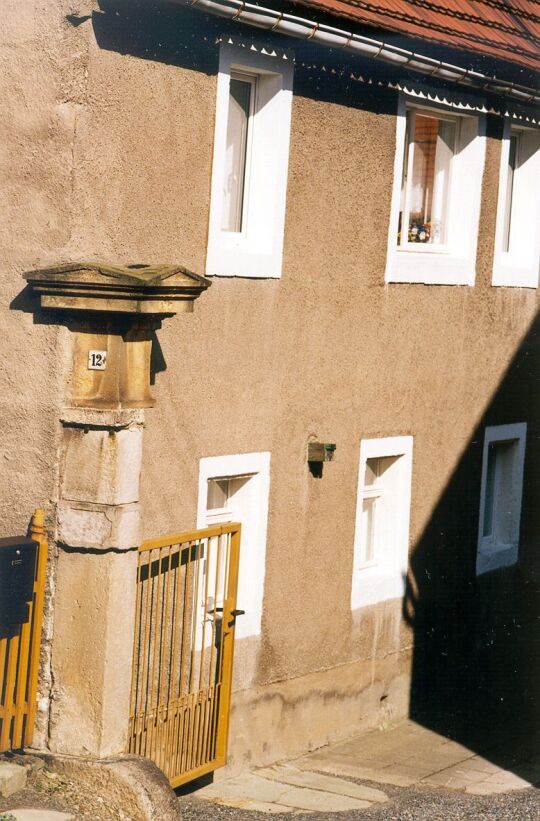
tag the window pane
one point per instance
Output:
(499, 498)
(218, 494)
(368, 528)
(375, 469)
(372, 472)
(236, 152)
(490, 491)
(426, 196)
(512, 159)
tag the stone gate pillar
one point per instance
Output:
(112, 313)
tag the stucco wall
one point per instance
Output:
(112, 148)
(35, 134)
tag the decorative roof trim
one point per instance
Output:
(304, 29)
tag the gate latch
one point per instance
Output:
(234, 614)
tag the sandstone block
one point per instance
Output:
(12, 778)
(98, 526)
(102, 466)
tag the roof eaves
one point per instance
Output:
(312, 30)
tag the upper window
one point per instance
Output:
(517, 240)
(249, 173)
(381, 539)
(500, 496)
(436, 199)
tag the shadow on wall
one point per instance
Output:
(163, 32)
(173, 34)
(476, 662)
(29, 303)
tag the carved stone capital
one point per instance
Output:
(143, 290)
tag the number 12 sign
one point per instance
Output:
(97, 360)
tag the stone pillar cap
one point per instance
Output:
(132, 289)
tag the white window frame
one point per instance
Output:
(519, 266)
(254, 527)
(492, 555)
(384, 578)
(257, 250)
(453, 263)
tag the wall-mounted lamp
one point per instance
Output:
(320, 451)
(317, 453)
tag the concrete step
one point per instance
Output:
(12, 778)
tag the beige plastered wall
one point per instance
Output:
(36, 183)
(110, 158)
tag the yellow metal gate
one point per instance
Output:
(183, 650)
(19, 656)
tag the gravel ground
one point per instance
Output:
(412, 804)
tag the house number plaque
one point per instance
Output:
(97, 360)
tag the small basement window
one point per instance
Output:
(381, 540)
(375, 504)
(500, 497)
(235, 488)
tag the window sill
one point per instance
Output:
(429, 267)
(367, 566)
(424, 248)
(509, 273)
(242, 261)
(495, 556)
(375, 586)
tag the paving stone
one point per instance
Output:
(255, 788)
(41, 815)
(488, 789)
(288, 774)
(410, 751)
(12, 778)
(411, 754)
(455, 778)
(501, 781)
(256, 806)
(478, 762)
(402, 756)
(478, 771)
(341, 766)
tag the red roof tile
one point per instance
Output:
(507, 30)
